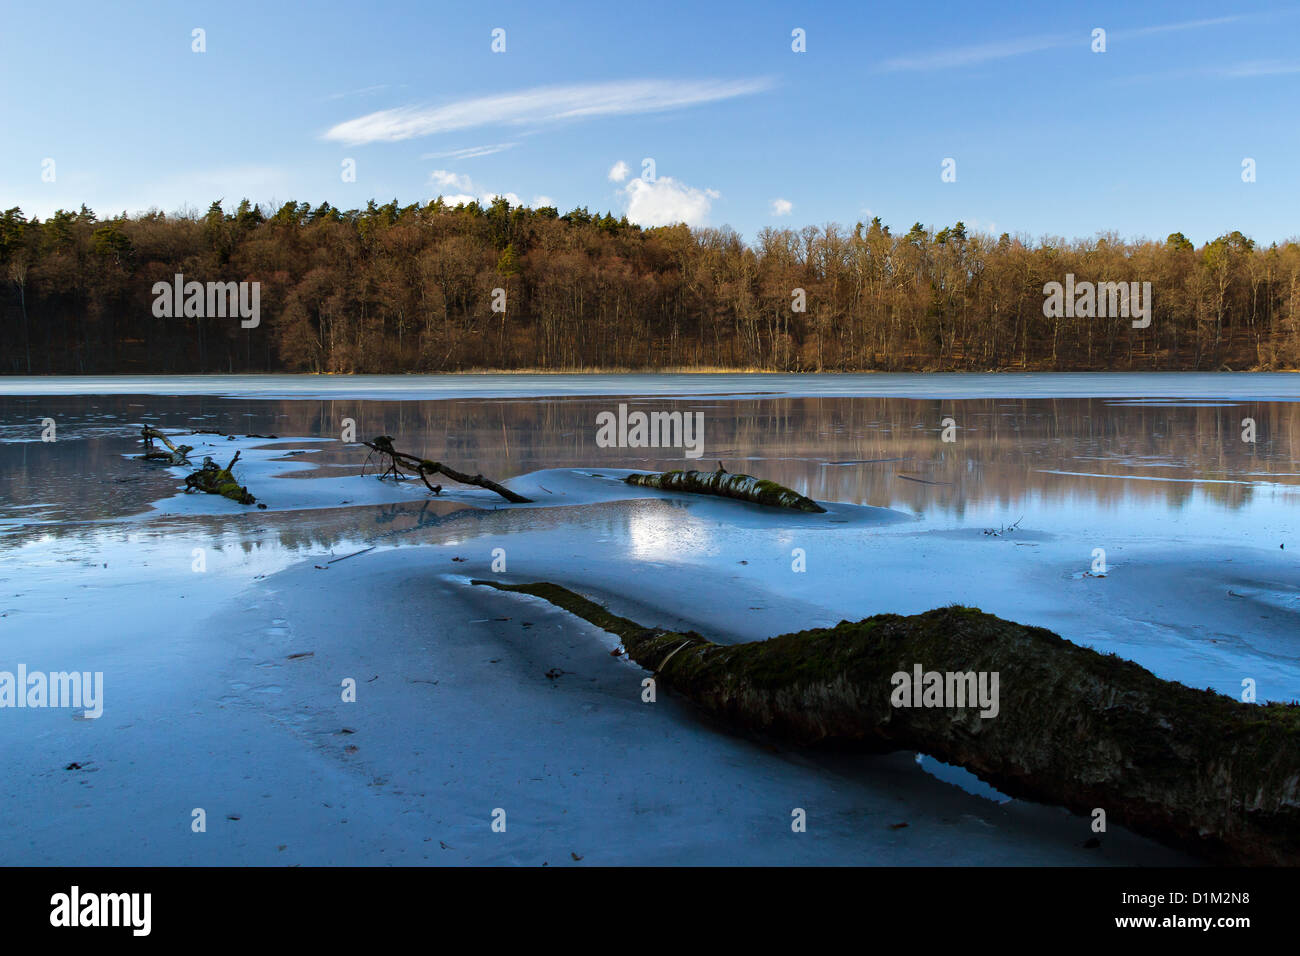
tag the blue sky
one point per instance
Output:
(1049, 138)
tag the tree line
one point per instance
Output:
(435, 288)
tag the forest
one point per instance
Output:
(435, 288)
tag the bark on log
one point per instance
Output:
(1192, 768)
(176, 455)
(725, 485)
(424, 467)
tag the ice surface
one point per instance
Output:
(1282, 386)
(222, 685)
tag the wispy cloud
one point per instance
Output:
(540, 105)
(1246, 70)
(1261, 68)
(1001, 50)
(1173, 27)
(969, 55)
(782, 207)
(364, 91)
(470, 152)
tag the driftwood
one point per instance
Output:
(175, 455)
(211, 478)
(725, 485)
(1073, 727)
(219, 481)
(383, 446)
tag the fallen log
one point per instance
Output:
(1069, 726)
(210, 478)
(175, 455)
(383, 446)
(219, 481)
(726, 485)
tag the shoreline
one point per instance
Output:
(682, 370)
(1258, 386)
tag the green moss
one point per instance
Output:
(218, 481)
(235, 492)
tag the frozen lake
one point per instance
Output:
(205, 705)
(1259, 385)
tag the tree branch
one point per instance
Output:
(383, 445)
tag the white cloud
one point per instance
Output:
(441, 177)
(470, 152)
(618, 172)
(540, 201)
(540, 105)
(782, 207)
(469, 191)
(665, 202)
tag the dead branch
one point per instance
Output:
(178, 454)
(383, 446)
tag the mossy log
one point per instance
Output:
(383, 445)
(219, 481)
(1073, 727)
(726, 485)
(210, 479)
(175, 455)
